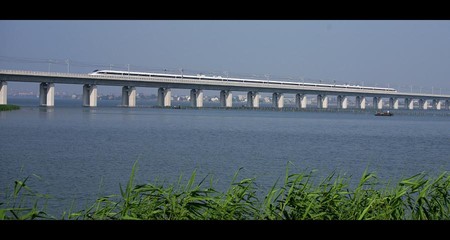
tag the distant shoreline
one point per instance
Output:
(241, 106)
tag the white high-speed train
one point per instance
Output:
(220, 78)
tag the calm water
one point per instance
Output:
(80, 153)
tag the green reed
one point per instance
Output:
(298, 197)
(9, 107)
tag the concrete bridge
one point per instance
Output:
(48, 80)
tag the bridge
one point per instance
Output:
(48, 80)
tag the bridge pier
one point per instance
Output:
(47, 94)
(164, 97)
(342, 102)
(322, 101)
(300, 100)
(436, 104)
(377, 103)
(253, 99)
(409, 103)
(226, 98)
(89, 95)
(197, 98)
(361, 102)
(277, 100)
(393, 103)
(129, 96)
(423, 104)
(3, 92)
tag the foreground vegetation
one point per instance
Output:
(298, 198)
(9, 107)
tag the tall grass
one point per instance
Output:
(23, 203)
(298, 197)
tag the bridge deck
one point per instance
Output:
(223, 84)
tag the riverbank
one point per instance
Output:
(9, 107)
(299, 197)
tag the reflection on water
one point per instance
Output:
(89, 109)
(46, 112)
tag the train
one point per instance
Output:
(229, 79)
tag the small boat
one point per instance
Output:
(386, 114)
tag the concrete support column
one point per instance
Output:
(226, 98)
(300, 100)
(129, 96)
(3, 93)
(423, 104)
(47, 94)
(89, 95)
(322, 101)
(277, 100)
(164, 97)
(197, 98)
(409, 103)
(437, 104)
(360, 102)
(393, 103)
(377, 103)
(253, 99)
(342, 102)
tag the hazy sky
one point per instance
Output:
(398, 53)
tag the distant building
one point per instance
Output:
(242, 98)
